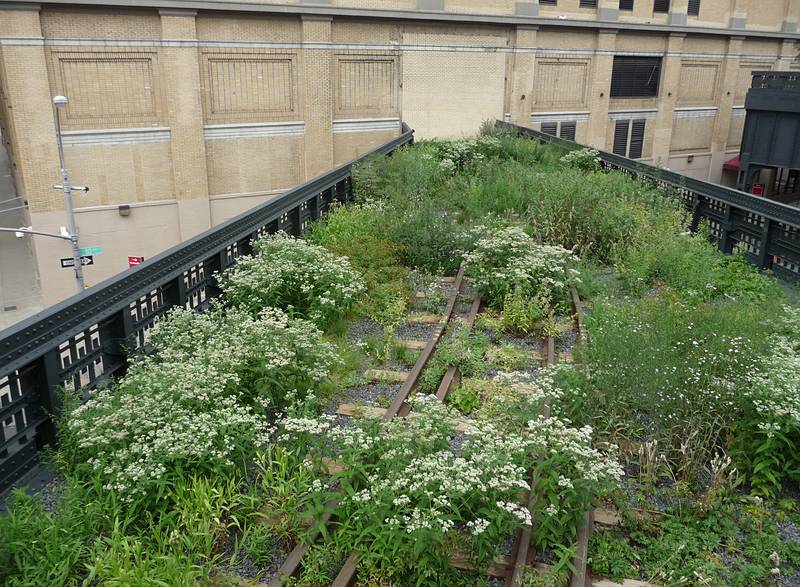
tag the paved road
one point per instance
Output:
(20, 292)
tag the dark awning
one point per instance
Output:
(732, 164)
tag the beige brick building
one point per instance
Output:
(184, 113)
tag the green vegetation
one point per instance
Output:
(681, 408)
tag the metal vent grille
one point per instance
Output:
(588, 4)
(694, 7)
(621, 137)
(635, 77)
(567, 131)
(548, 2)
(660, 5)
(550, 128)
(626, 4)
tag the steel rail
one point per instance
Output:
(348, 570)
(521, 550)
(292, 563)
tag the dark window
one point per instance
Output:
(694, 7)
(621, 137)
(626, 4)
(567, 131)
(548, 2)
(660, 5)
(637, 139)
(629, 138)
(550, 128)
(635, 77)
(588, 3)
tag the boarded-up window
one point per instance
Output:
(366, 85)
(692, 133)
(635, 77)
(107, 88)
(561, 82)
(698, 83)
(255, 84)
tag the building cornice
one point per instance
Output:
(414, 15)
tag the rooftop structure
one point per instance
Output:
(770, 152)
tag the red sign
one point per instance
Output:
(758, 189)
(134, 261)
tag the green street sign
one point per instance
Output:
(92, 251)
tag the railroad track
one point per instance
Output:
(522, 554)
(398, 408)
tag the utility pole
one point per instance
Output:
(58, 103)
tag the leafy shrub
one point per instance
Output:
(507, 259)
(583, 159)
(197, 405)
(521, 314)
(358, 232)
(691, 265)
(428, 237)
(303, 279)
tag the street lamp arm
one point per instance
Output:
(39, 232)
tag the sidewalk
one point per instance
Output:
(20, 292)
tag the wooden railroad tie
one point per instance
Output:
(414, 345)
(385, 375)
(460, 424)
(424, 319)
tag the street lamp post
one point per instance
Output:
(58, 103)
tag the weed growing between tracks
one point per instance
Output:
(174, 474)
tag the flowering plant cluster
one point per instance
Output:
(506, 258)
(200, 404)
(583, 159)
(457, 155)
(301, 278)
(411, 494)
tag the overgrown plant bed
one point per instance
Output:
(215, 457)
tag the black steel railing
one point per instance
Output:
(765, 231)
(776, 80)
(87, 338)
